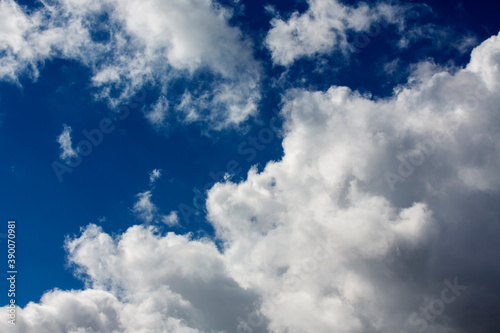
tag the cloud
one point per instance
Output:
(144, 208)
(378, 210)
(154, 176)
(171, 219)
(28, 40)
(65, 143)
(330, 27)
(141, 282)
(158, 113)
(323, 28)
(333, 244)
(130, 44)
(14, 25)
(147, 211)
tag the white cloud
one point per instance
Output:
(147, 211)
(158, 113)
(327, 241)
(323, 28)
(144, 208)
(28, 40)
(321, 241)
(141, 282)
(14, 26)
(171, 219)
(484, 62)
(65, 143)
(154, 176)
(333, 27)
(145, 42)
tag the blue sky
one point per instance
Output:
(221, 88)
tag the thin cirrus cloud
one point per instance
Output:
(367, 224)
(130, 44)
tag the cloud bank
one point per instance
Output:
(382, 216)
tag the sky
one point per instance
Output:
(251, 166)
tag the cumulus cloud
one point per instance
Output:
(381, 216)
(369, 215)
(65, 143)
(128, 44)
(141, 282)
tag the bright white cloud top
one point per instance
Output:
(365, 225)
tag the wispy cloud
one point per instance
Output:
(154, 176)
(147, 211)
(323, 28)
(144, 208)
(148, 43)
(171, 219)
(158, 113)
(66, 144)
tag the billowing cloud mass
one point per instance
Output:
(382, 216)
(376, 207)
(130, 44)
(142, 283)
